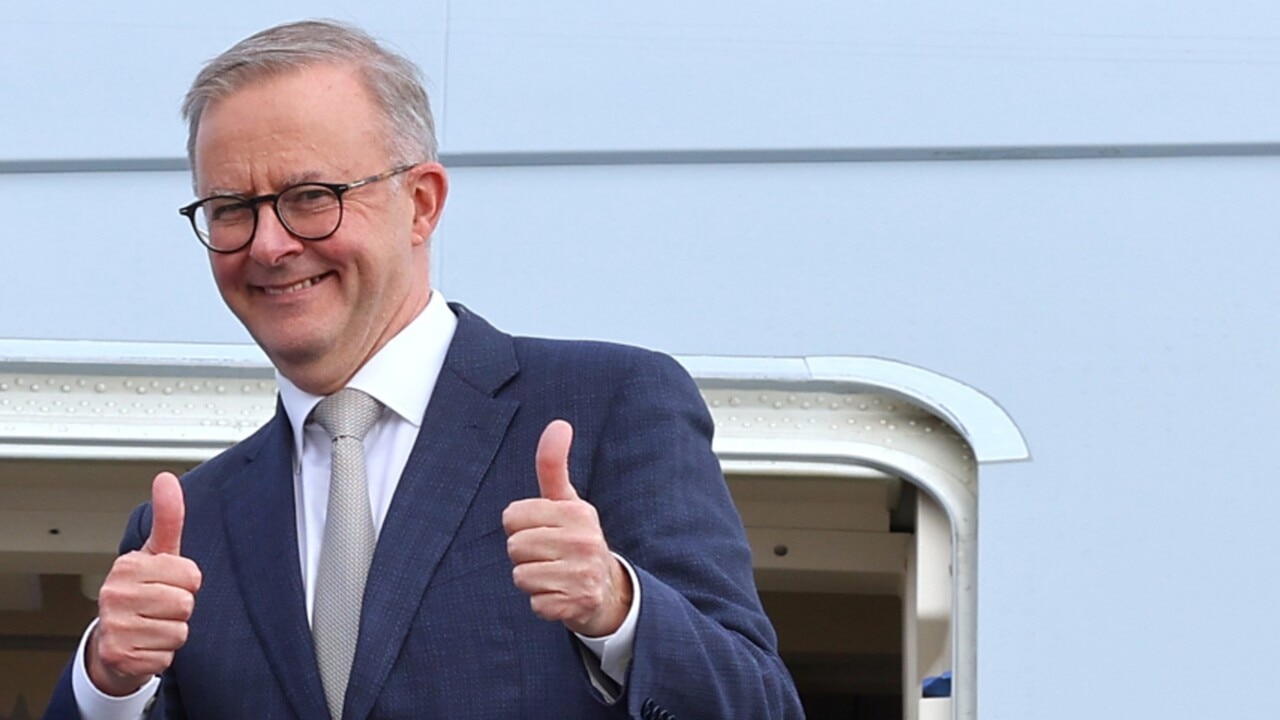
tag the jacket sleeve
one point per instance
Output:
(703, 645)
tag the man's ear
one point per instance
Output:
(429, 185)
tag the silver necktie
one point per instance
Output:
(349, 540)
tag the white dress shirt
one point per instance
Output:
(402, 376)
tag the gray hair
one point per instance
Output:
(392, 79)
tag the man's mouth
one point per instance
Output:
(295, 287)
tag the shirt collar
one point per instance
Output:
(401, 376)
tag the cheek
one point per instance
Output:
(225, 270)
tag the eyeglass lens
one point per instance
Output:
(308, 211)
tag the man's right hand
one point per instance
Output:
(145, 602)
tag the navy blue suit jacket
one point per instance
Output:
(444, 632)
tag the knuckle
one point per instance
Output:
(195, 578)
(186, 606)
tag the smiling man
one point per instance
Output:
(441, 520)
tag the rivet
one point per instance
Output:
(806, 404)
(928, 429)
(764, 398)
(246, 389)
(128, 383)
(222, 389)
(715, 403)
(735, 401)
(777, 405)
(35, 387)
(66, 388)
(781, 550)
(142, 390)
(19, 381)
(4, 387)
(81, 382)
(168, 391)
(791, 398)
(892, 426)
(818, 399)
(835, 406)
(100, 388)
(862, 406)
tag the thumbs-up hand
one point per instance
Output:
(146, 601)
(558, 548)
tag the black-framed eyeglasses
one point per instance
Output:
(310, 210)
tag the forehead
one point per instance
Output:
(316, 122)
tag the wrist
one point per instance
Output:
(103, 678)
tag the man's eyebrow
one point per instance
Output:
(302, 177)
(306, 176)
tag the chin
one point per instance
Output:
(293, 351)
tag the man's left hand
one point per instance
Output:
(558, 548)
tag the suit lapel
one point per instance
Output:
(460, 435)
(262, 538)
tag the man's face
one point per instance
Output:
(319, 309)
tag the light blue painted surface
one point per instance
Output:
(1122, 311)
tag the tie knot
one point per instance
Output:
(347, 413)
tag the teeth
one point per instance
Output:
(303, 285)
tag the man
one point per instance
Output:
(520, 528)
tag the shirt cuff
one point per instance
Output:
(97, 705)
(614, 651)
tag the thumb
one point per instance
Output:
(167, 513)
(553, 462)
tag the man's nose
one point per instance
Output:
(272, 241)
